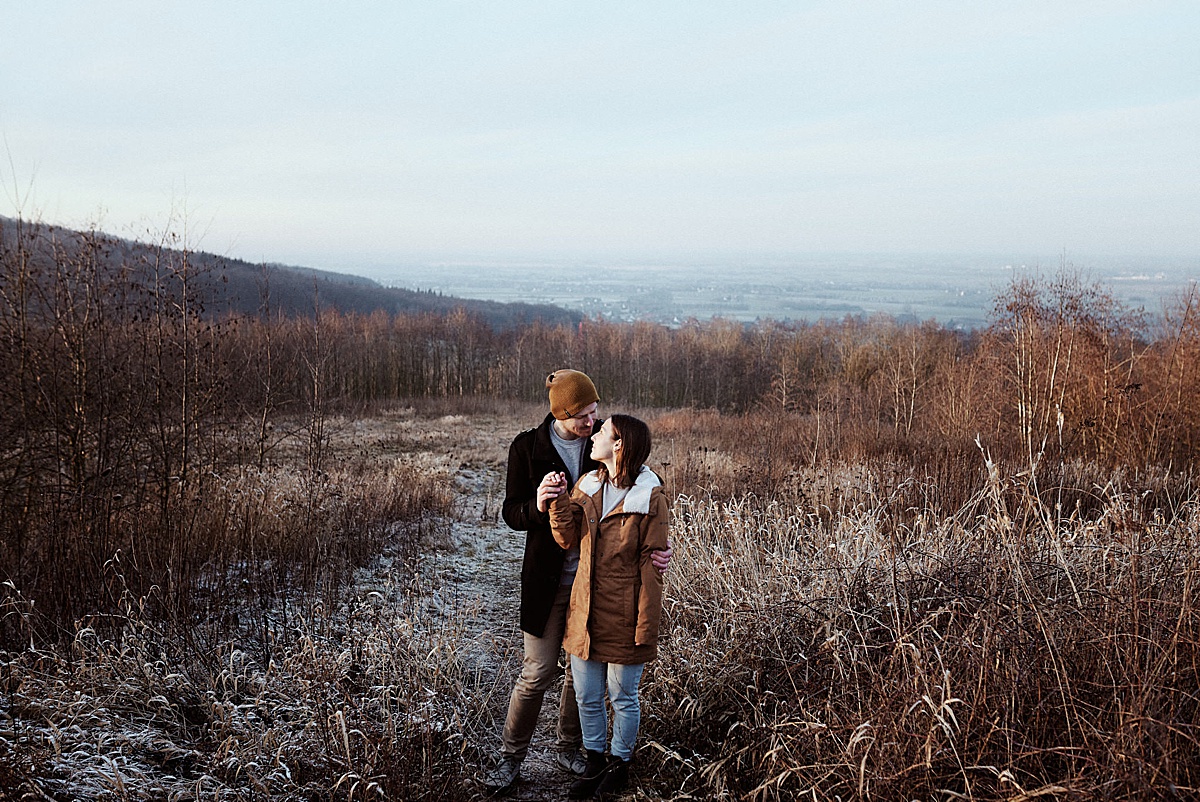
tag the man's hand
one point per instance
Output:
(661, 558)
(553, 485)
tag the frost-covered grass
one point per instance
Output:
(363, 699)
(297, 660)
(988, 655)
(833, 630)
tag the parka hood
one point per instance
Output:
(638, 497)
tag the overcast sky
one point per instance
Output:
(332, 134)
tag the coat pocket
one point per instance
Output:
(614, 607)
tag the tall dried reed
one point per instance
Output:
(981, 655)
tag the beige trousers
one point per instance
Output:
(539, 669)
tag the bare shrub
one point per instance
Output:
(1169, 417)
(140, 430)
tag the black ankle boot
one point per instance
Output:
(614, 780)
(585, 787)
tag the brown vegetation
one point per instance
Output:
(836, 643)
(910, 560)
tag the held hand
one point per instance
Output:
(661, 558)
(553, 485)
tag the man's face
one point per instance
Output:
(580, 425)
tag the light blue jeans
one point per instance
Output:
(591, 679)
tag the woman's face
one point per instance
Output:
(605, 443)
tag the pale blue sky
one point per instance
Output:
(337, 134)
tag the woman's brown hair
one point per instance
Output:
(634, 436)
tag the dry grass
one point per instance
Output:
(836, 629)
(365, 699)
(284, 671)
(983, 655)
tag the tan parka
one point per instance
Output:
(616, 601)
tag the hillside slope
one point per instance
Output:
(235, 286)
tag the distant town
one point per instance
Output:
(954, 291)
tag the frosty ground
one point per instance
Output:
(425, 642)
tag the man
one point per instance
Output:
(561, 444)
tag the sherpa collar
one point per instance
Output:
(638, 497)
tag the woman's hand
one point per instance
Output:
(553, 485)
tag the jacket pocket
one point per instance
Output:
(614, 607)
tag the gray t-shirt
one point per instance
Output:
(571, 452)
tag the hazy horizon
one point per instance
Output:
(958, 291)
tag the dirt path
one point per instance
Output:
(483, 571)
(473, 570)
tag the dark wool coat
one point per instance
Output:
(530, 457)
(616, 602)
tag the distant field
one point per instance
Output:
(955, 291)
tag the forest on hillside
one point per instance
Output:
(144, 439)
(219, 286)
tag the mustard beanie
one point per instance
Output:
(570, 391)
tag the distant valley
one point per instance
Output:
(955, 291)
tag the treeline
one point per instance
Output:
(234, 286)
(123, 395)
(110, 371)
(1063, 372)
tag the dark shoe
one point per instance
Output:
(503, 777)
(615, 779)
(585, 787)
(571, 760)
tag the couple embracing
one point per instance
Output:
(596, 521)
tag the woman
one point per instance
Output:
(617, 514)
